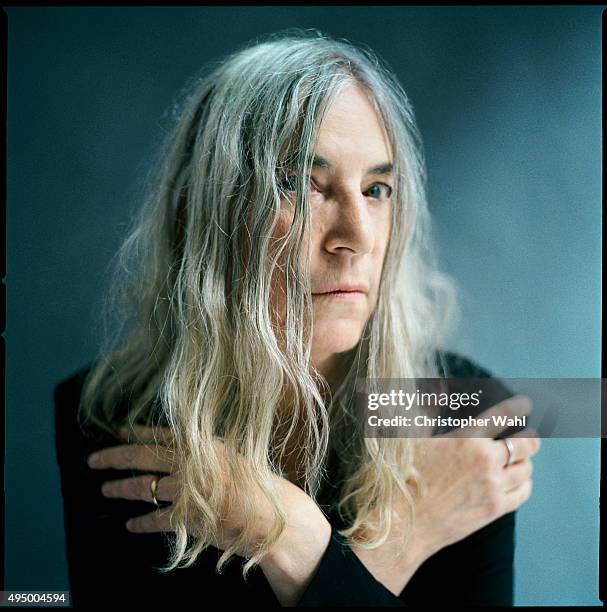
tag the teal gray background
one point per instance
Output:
(508, 101)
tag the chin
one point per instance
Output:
(336, 339)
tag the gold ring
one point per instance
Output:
(153, 488)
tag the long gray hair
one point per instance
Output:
(193, 278)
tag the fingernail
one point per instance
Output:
(129, 524)
(93, 459)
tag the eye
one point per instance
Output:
(375, 190)
(289, 183)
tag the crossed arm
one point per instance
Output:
(294, 560)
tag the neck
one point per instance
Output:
(332, 367)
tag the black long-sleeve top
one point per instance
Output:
(107, 564)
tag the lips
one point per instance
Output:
(342, 288)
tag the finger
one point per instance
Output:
(518, 405)
(159, 520)
(531, 442)
(140, 488)
(147, 458)
(517, 474)
(518, 496)
(144, 433)
(522, 448)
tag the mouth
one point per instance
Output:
(340, 294)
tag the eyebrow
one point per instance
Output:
(318, 161)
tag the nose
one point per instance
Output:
(350, 227)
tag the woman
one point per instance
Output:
(283, 253)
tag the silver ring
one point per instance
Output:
(510, 448)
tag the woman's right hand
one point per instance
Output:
(152, 450)
(467, 482)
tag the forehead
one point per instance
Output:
(352, 127)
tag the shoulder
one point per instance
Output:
(456, 365)
(66, 395)
(70, 422)
(70, 387)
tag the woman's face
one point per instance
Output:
(350, 202)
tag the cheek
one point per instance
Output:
(384, 236)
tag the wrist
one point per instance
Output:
(293, 561)
(391, 564)
(421, 548)
(418, 550)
